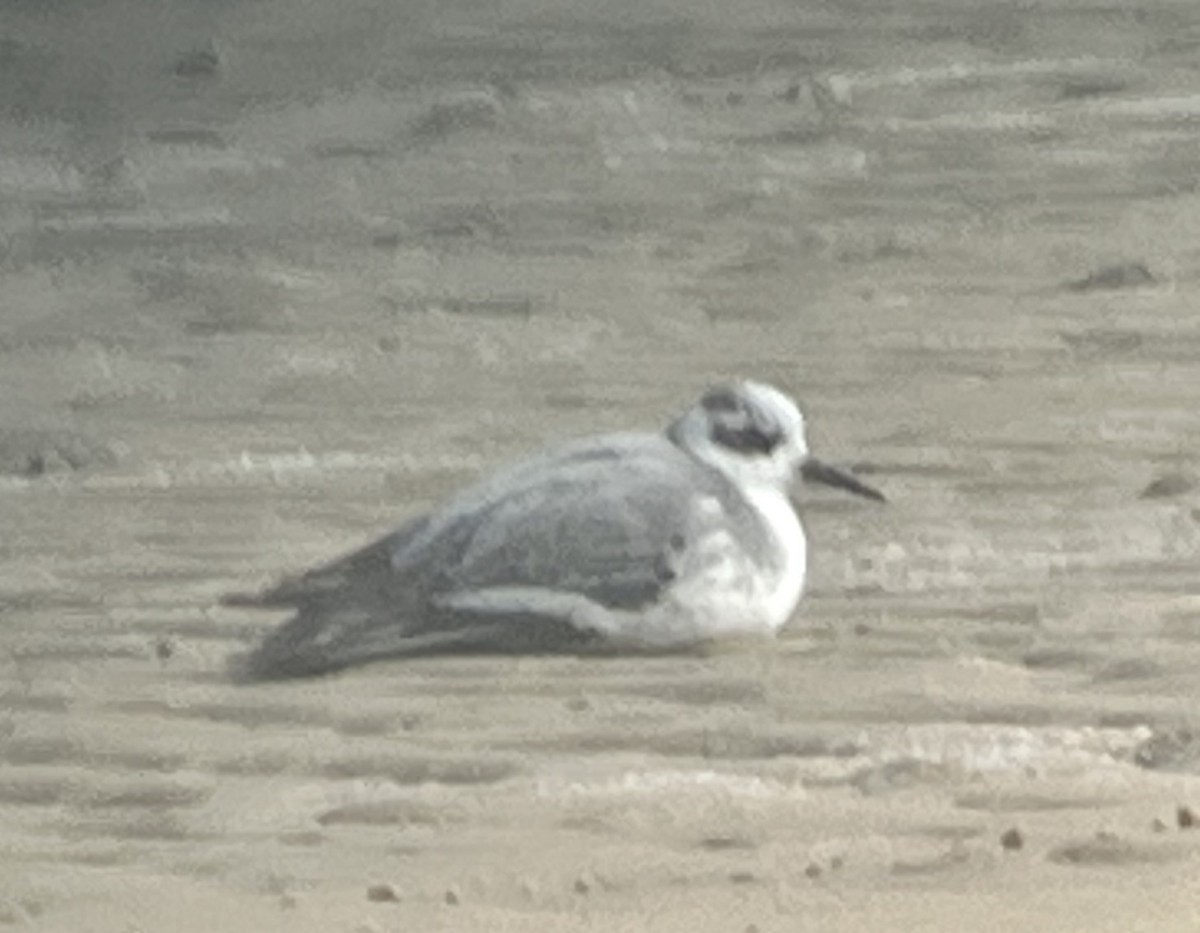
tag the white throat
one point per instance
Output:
(783, 524)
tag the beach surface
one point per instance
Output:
(276, 276)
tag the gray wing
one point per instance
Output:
(338, 579)
(613, 533)
(604, 525)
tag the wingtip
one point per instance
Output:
(287, 594)
(267, 663)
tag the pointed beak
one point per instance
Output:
(814, 471)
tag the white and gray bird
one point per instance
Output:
(650, 542)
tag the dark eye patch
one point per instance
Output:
(722, 401)
(738, 425)
(749, 439)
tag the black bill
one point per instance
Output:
(814, 471)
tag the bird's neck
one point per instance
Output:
(783, 524)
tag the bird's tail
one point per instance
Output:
(314, 643)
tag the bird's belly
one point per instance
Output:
(734, 593)
(722, 604)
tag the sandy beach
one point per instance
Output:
(277, 275)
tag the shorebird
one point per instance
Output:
(624, 542)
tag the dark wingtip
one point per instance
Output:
(287, 652)
(287, 594)
(267, 664)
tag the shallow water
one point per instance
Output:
(255, 317)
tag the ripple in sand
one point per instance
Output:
(673, 783)
(1110, 849)
(32, 453)
(412, 769)
(1118, 275)
(44, 786)
(724, 744)
(57, 750)
(1026, 802)
(146, 793)
(397, 812)
(249, 714)
(84, 648)
(132, 825)
(957, 856)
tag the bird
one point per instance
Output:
(629, 542)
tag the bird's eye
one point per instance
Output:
(736, 424)
(747, 439)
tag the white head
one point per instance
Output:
(749, 431)
(754, 434)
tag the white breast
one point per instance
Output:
(726, 593)
(782, 591)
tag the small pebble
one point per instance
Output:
(581, 886)
(813, 870)
(1158, 825)
(1168, 485)
(198, 63)
(1185, 817)
(1118, 275)
(469, 111)
(451, 897)
(382, 894)
(1012, 839)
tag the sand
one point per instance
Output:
(275, 276)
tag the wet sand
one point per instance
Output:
(276, 276)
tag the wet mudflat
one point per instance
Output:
(276, 276)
